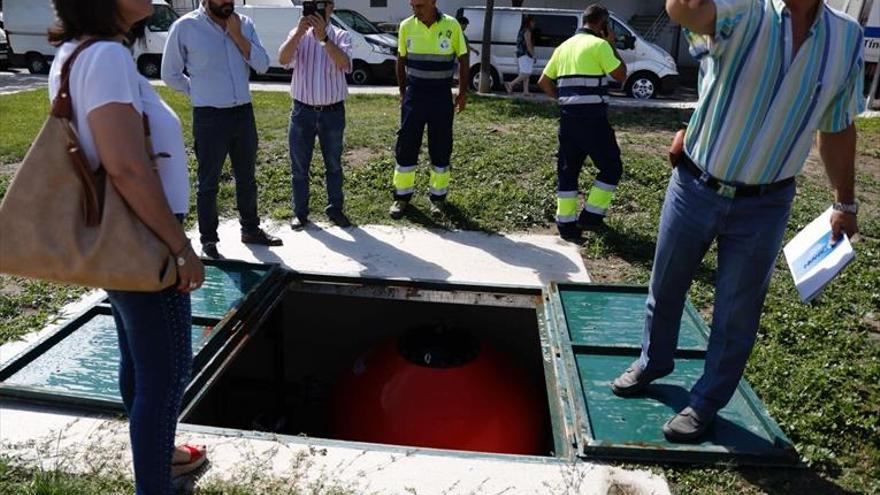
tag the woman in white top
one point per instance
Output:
(109, 100)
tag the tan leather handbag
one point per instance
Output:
(62, 222)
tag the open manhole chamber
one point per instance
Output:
(399, 364)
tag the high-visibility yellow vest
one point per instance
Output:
(579, 66)
(430, 51)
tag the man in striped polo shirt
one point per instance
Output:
(575, 75)
(773, 72)
(320, 55)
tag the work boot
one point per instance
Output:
(570, 232)
(398, 208)
(592, 223)
(687, 426)
(634, 380)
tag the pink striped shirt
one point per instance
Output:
(316, 79)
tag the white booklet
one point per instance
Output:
(813, 259)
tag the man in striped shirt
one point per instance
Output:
(773, 72)
(320, 55)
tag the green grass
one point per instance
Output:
(816, 366)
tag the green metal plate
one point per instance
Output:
(615, 317)
(636, 422)
(78, 363)
(601, 328)
(86, 362)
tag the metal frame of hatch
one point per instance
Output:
(588, 446)
(411, 290)
(228, 328)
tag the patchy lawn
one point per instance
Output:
(816, 366)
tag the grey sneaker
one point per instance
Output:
(635, 379)
(398, 208)
(686, 426)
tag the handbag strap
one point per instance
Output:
(62, 108)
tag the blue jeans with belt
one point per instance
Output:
(749, 232)
(155, 348)
(328, 124)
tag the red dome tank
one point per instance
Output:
(441, 389)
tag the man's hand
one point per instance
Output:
(233, 26)
(302, 27)
(843, 223)
(609, 35)
(460, 102)
(676, 148)
(318, 25)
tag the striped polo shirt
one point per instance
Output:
(760, 104)
(317, 80)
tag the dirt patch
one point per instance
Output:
(610, 270)
(501, 128)
(10, 288)
(8, 168)
(358, 157)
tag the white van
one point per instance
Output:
(373, 52)
(651, 69)
(27, 21)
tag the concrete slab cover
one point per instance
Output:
(408, 253)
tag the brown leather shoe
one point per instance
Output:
(260, 236)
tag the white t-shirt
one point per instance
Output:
(105, 73)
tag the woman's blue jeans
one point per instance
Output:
(155, 347)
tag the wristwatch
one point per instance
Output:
(847, 207)
(180, 256)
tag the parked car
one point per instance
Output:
(4, 50)
(27, 21)
(373, 52)
(652, 71)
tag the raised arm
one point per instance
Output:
(697, 16)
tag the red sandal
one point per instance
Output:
(197, 457)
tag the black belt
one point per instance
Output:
(339, 105)
(729, 190)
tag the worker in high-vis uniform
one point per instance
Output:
(429, 43)
(575, 75)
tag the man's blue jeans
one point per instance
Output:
(749, 232)
(306, 123)
(155, 359)
(218, 132)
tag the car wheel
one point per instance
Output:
(494, 78)
(361, 74)
(37, 64)
(150, 66)
(643, 86)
